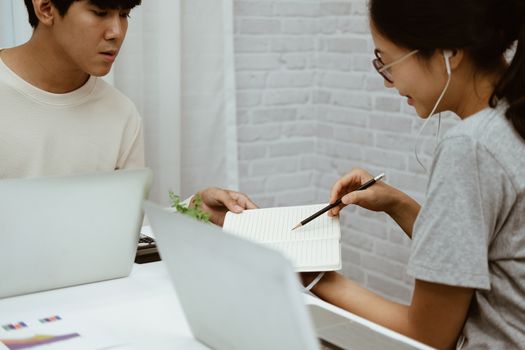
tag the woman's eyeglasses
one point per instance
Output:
(384, 69)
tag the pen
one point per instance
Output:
(338, 202)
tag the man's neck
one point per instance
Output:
(42, 65)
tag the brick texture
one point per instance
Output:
(310, 108)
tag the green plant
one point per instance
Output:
(194, 211)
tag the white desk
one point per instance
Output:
(141, 311)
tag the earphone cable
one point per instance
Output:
(428, 119)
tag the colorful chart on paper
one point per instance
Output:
(35, 341)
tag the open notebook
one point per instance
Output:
(313, 247)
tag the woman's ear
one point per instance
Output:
(456, 57)
(45, 11)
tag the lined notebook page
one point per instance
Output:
(314, 247)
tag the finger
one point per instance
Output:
(346, 183)
(353, 198)
(229, 201)
(216, 197)
(217, 217)
(208, 196)
(243, 200)
(336, 189)
(335, 211)
(350, 198)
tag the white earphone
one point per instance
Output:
(448, 54)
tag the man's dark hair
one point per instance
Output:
(63, 5)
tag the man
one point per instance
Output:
(57, 117)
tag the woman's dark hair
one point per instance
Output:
(63, 5)
(485, 29)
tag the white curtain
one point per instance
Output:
(177, 65)
(209, 145)
(14, 24)
(148, 71)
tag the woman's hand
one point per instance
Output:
(217, 202)
(378, 197)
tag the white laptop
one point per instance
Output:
(63, 231)
(239, 295)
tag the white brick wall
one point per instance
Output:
(310, 108)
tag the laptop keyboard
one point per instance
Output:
(145, 240)
(146, 250)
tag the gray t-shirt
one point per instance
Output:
(471, 230)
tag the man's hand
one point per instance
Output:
(217, 202)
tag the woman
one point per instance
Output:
(468, 249)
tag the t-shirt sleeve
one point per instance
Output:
(456, 224)
(132, 147)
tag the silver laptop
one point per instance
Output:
(239, 295)
(236, 295)
(64, 231)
